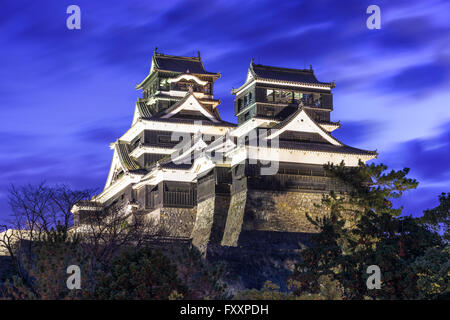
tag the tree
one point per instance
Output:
(42, 213)
(438, 218)
(105, 232)
(329, 289)
(362, 228)
(36, 212)
(202, 279)
(145, 273)
(46, 271)
(432, 271)
(138, 274)
(109, 246)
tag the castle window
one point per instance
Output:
(306, 98)
(288, 96)
(250, 97)
(269, 95)
(245, 101)
(268, 111)
(239, 104)
(136, 143)
(164, 139)
(283, 96)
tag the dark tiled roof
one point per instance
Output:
(336, 123)
(123, 150)
(180, 64)
(323, 147)
(286, 74)
(221, 123)
(169, 164)
(88, 203)
(179, 166)
(144, 111)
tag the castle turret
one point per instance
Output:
(216, 182)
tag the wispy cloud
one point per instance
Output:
(64, 95)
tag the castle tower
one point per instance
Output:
(177, 107)
(284, 140)
(217, 183)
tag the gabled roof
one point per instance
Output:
(300, 120)
(305, 76)
(189, 102)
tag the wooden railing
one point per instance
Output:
(297, 182)
(180, 199)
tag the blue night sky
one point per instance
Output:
(66, 94)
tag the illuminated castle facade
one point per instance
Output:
(213, 182)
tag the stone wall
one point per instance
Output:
(176, 222)
(210, 221)
(258, 257)
(235, 217)
(281, 211)
(203, 224)
(264, 234)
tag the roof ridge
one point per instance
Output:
(162, 55)
(284, 68)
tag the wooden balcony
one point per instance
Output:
(180, 199)
(297, 182)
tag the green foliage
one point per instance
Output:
(203, 280)
(433, 273)
(438, 218)
(141, 274)
(145, 273)
(135, 273)
(361, 229)
(46, 270)
(358, 229)
(329, 289)
(270, 291)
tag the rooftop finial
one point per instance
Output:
(198, 53)
(310, 67)
(155, 51)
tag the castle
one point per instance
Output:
(216, 183)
